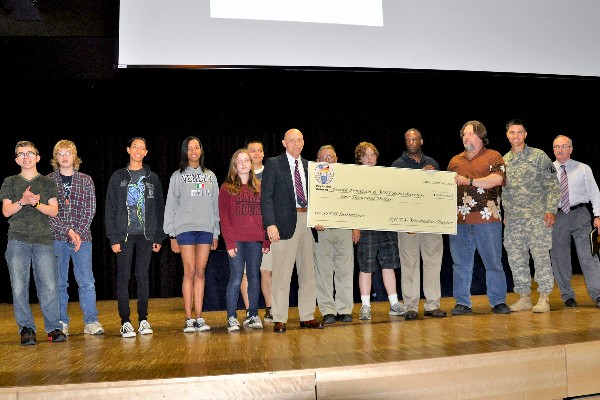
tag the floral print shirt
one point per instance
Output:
(477, 205)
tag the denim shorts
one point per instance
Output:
(194, 237)
(377, 249)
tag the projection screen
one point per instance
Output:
(550, 37)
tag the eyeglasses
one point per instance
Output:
(408, 140)
(326, 158)
(243, 161)
(372, 155)
(27, 154)
(65, 153)
(564, 146)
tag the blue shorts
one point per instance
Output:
(194, 237)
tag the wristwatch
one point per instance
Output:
(21, 204)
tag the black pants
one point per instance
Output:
(143, 252)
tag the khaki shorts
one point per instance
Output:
(267, 261)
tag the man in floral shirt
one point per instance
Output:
(479, 178)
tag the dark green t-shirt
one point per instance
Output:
(29, 224)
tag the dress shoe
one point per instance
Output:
(411, 315)
(312, 324)
(437, 313)
(279, 327)
(329, 319)
(344, 317)
(571, 302)
(501, 308)
(461, 309)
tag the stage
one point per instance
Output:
(553, 355)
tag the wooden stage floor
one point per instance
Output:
(169, 353)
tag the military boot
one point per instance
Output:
(523, 304)
(543, 304)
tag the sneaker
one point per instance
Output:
(190, 325)
(397, 309)
(127, 330)
(365, 313)
(93, 328)
(201, 325)
(27, 336)
(461, 309)
(269, 315)
(501, 308)
(56, 336)
(233, 324)
(65, 327)
(246, 318)
(145, 328)
(255, 322)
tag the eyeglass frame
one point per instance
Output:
(561, 146)
(27, 154)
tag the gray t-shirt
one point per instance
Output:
(29, 224)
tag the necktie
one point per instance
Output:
(564, 191)
(298, 183)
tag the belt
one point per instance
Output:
(577, 206)
(300, 209)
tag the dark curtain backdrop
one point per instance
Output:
(224, 108)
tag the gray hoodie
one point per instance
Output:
(192, 202)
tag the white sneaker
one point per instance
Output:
(397, 309)
(127, 330)
(145, 328)
(190, 325)
(365, 313)
(201, 325)
(93, 328)
(255, 322)
(233, 324)
(65, 327)
(246, 318)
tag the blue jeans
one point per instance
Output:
(82, 269)
(487, 239)
(20, 257)
(249, 254)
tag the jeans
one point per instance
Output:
(82, 269)
(249, 254)
(143, 254)
(487, 239)
(20, 257)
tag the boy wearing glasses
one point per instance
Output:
(29, 200)
(72, 234)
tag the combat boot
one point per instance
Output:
(543, 304)
(523, 304)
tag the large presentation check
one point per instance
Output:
(354, 196)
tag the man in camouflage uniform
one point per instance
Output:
(530, 198)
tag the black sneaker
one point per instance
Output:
(461, 309)
(27, 336)
(329, 319)
(56, 336)
(501, 308)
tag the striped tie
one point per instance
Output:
(298, 183)
(564, 191)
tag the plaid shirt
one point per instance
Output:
(79, 211)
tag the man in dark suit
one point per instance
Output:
(283, 204)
